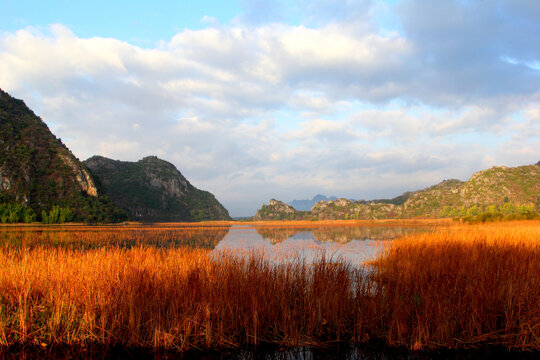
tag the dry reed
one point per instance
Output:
(463, 287)
(459, 287)
(174, 298)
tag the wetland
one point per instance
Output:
(410, 287)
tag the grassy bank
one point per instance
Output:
(462, 287)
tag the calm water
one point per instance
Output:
(354, 244)
(269, 353)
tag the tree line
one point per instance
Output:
(11, 213)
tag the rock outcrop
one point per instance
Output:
(277, 210)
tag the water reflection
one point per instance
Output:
(353, 244)
(366, 352)
(341, 234)
(351, 352)
(92, 237)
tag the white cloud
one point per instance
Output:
(253, 111)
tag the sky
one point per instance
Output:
(253, 100)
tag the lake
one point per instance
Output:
(351, 243)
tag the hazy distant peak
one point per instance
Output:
(320, 197)
(306, 205)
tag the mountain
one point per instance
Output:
(152, 189)
(306, 205)
(277, 210)
(398, 200)
(498, 186)
(40, 175)
(347, 209)
(495, 186)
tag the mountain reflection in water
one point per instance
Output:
(86, 237)
(353, 244)
(341, 234)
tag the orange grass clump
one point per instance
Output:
(466, 286)
(461, 286)
(174, 299)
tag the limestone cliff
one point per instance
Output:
(37, 170)
(152, 189)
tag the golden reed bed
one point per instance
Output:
(462, 286)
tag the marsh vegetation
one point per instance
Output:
(458, 286)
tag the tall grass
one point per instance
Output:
(175, 298)
(460, 287)
(465, 286)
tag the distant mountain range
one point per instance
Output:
(41, 180)
(497, 186)
(306, 205)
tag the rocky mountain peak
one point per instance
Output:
(342, 202)
(153, 189)
(275, 210)
(39, 171)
